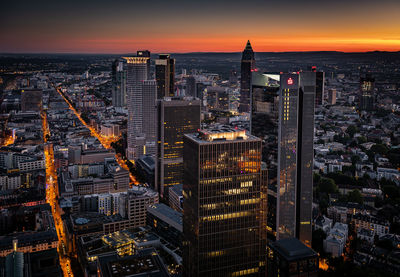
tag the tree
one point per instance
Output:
(351, 130)
(355, 196)
(327, 185)
(362, 140)
(379, 149)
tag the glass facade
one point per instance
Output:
(295, 156)
(247, 66)
(176, 117)
(264, 124)
(223, 223)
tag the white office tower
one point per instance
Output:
(141, 103)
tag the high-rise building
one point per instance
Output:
(319, 88)
(295, 155)
(367, 97)
(176, 117)
(265, 124)
(247, 66)
(141, 107)
(165, 76)
(119, 95)
(224, 211)
(190, 86)
(280, 105)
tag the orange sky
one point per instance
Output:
(123, 26)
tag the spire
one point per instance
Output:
(248, 46)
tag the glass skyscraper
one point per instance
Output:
(295, 155)
(224, 211)
(176, 117)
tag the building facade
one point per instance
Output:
(119, 95)
(176, 117)
(165, 76)
(141, 106)
(295, 156)
(224, 226)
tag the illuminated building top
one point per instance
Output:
(224, 133)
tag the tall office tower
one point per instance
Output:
(223, 221)
(295, 156)
(367, 97)
(150, 116)
(320, 88)
(190, 86)
(176, 117)
(140, 103)
(165, 76)
(264, 124)
(118, 84)
(247, 66)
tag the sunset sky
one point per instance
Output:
(123, 26)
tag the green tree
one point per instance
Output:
(379, 149)
(355, 196)
(327, 185)
(351, 130)
(362, 139)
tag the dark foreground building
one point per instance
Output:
(224, 218)
(290, 257)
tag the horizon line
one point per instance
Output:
(195, 52)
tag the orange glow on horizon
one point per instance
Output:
(218, 44)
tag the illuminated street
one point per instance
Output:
(51, 198)
(106, 142)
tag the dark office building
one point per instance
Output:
(31, 100)
(320, 88)
(191, 87)
(290, 257)
(119, 96)
(224, 230)
(165, 222)
(145, 166)
(247, 66)
(165, 76)
(280, 105)
(218, 98)
(264, 124)
(295, 156)
(176, 117)
(366, 96)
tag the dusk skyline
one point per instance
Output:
(190, 26)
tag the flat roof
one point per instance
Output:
(167, 214)
(293, 249)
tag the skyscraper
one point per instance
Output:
(223, 222)
(367, 97)
(176, 117)
(119, 96)
(295, 155)
(265, 124)
(320, 88)
(141, 107)
(165, 76)
(190, 86)
(282, 113)
(247, 66)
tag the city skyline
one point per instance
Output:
(186, 26)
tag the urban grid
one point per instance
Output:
(190, 164)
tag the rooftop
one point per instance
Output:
(293, 249)
(221, 133)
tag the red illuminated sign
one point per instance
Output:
(290, 81)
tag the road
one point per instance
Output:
(51, 198)
(106, 142)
